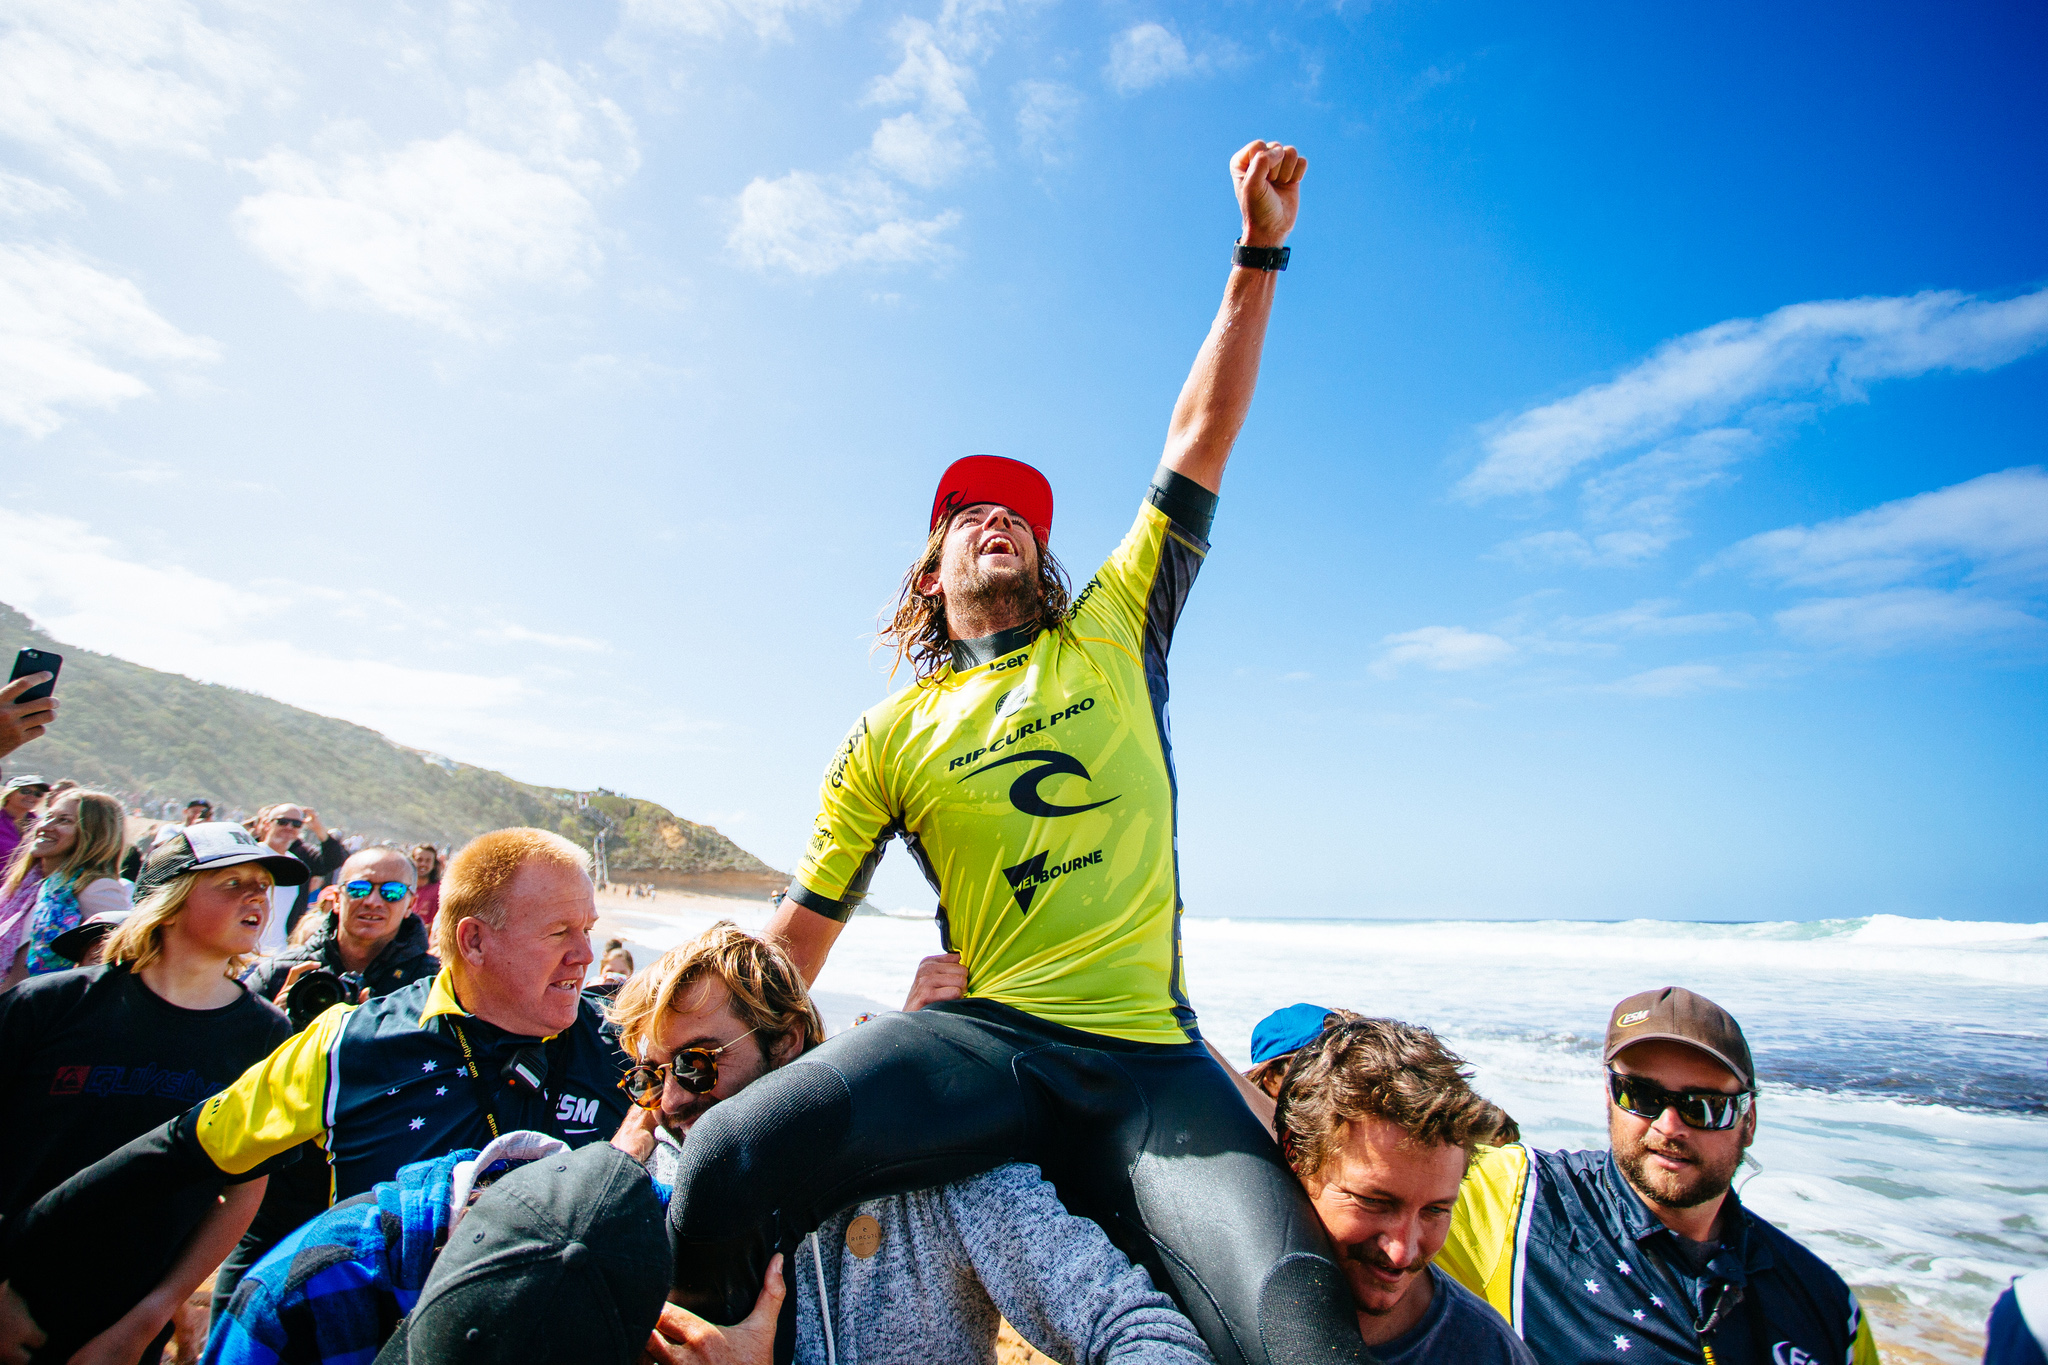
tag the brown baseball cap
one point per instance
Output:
(1676, 1015)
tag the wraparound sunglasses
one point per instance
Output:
(1709, 1109)
(695, 1070)
(390, 891)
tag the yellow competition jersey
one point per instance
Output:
(1033, 782)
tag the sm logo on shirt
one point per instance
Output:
(573, 1110)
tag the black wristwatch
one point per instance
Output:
(1260, 257)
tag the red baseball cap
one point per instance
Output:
(992, 478)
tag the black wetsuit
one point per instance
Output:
(1033, 781)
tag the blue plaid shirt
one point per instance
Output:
(332, 1292)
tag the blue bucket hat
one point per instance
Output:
(1283, 1031)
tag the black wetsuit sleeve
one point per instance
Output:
(117, 1225)
(1186, 503)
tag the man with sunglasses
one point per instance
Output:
(297, 830)
(375, 939)
(1643, 1251)
(375, 935)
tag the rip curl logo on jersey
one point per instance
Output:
(1024, 793)
(1785, 1353)
(1026, 877)
(1635, 1017)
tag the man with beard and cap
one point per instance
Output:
(1643, 1251)
(1028, 769)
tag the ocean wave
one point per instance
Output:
(2010, 954)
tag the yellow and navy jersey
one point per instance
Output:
(1033, 782)
(394, 1081)
(1565, 1249)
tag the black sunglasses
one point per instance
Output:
(361, 888)
(288, 822)
(695, 1070)
(1708, 1109)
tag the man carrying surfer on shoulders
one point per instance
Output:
(1028, 769)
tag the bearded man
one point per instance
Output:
(1644, 1252)
(1028, 770)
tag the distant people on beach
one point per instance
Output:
(614, 968)
(196, 811)
(92, 1058)
(18, 810)
(426, 866)
(297, 830)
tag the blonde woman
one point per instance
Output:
(76, 846)
(92, 1058)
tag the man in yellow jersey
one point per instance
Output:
(1029, 772)
(1643, 1252)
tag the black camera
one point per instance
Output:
(319, 991)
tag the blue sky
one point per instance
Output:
(1643, 512)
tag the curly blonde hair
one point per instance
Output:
(916, 631)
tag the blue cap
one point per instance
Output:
(1282, 1031)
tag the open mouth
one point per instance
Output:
(252, 921)
(567, 983)
(999, 543)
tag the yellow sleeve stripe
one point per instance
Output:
(1863, 1350)
(278, 1103)
(1489, 1229)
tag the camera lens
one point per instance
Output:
(311, 996)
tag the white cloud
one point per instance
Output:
(78, 80)
(814, 224)
(85, 589)
(1987, 536)
(546, 117)
(934, 141)
(768, 20)
(1145, 55)
(1730, 374)
(1047, 115)
(1903, 618)
(1676, 680)
(1991, 527)
(1656, 618)
(440, 230)
(1606, 550)
(21, 197)
(68, 331)
(1445, 649)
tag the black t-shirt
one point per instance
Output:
(92, 1058)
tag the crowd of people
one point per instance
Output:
(401, 1111)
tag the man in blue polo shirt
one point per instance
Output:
(1643, 1252)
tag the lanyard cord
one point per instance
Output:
(825, 1304)
(483, 1086)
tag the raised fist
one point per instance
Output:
(1267, 176)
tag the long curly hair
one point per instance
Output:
(916, 629)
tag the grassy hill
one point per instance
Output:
(159, 736)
